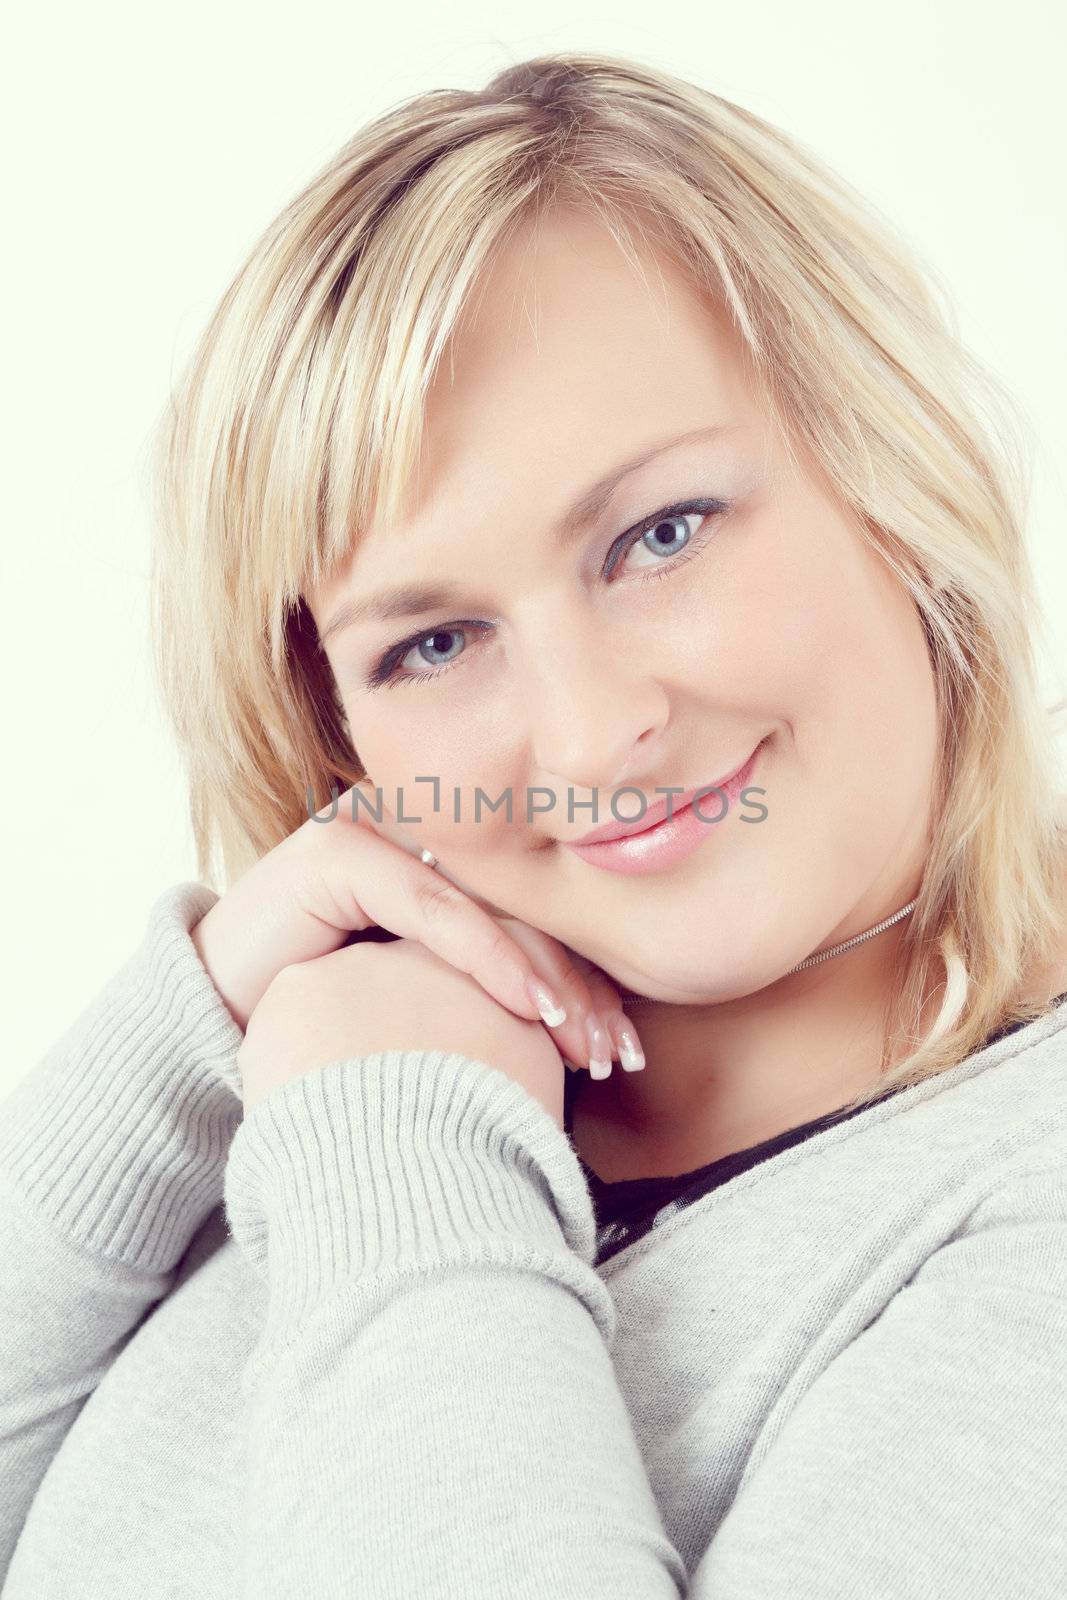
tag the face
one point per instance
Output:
(716, 602)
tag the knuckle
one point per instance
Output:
(437, 899)
(321, 885)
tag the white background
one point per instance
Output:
(144, 149)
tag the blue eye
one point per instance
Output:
(672, 544)
(669, 536)
(433, 640)
(440, 641)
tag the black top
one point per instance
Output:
(630, 1207)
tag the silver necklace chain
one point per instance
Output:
(836, 949)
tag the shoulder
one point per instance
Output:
(1019, 1223)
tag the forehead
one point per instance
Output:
(570, 329)
(572, 356)
(569, 358)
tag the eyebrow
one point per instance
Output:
(413, 599)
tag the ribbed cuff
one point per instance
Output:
(120, 1134)
(400, 1162)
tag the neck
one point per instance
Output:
(723, 1076)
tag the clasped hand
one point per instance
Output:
(399, 995)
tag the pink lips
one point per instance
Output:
(653, 814)
(656, 841)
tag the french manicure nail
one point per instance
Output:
(552, 1013)
(599, 1049)
(630, 1053)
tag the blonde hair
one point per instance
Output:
(298, 420)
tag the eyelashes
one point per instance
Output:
(384, 673)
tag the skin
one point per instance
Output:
(776, 622)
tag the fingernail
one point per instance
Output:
(599, 1048)
(630, 1053)
(552, 1013)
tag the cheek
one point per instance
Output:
(423, 754)
(808, 629)
(859, 696)
(860, 665)
(749, 632)
(809, 619)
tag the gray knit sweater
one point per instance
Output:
(359, 1344)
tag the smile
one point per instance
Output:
(651, 848)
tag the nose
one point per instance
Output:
(594, 711)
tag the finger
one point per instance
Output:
(625, 1043)
(618, 1040)
(554, 960)
(585, 1038)
(595, 1027)
(370, 878)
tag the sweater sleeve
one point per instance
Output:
(926, 1458)
(432, 1408)
(112, 1153)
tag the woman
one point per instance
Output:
(778, 1307)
